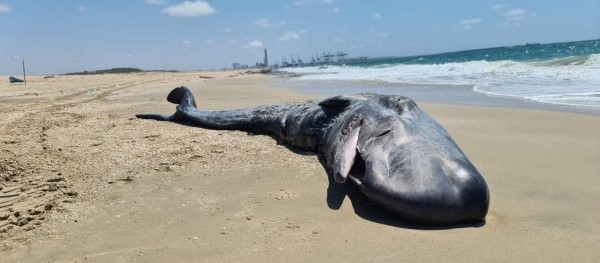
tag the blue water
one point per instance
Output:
(558, 73)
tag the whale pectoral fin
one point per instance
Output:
(344, 157)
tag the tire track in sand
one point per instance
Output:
(31, 181)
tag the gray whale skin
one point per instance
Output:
(396, 154)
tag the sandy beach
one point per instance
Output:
(83, 180)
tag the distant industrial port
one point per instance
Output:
(326, 58)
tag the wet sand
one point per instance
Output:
(83, 180)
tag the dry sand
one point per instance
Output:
(82, 180)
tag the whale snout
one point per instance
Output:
(432, 196)
(474, 200)
(470, 196)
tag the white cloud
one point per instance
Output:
(516, 14)
(377, 16)
(190, 9)
(156, 2)
(468, 23)
(209, 41)
(379, 34)
(186, 44)
(327, 1)
(290, 35)
(4, 8)
(335, 9)
(253, 44)
(499, 6)
(264, 22)
(81, 8)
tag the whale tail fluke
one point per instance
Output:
(181, 95)
(187, 112)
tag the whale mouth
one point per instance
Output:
(358, 169)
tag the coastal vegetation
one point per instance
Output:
(116, 71)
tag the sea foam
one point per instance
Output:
(572, 80)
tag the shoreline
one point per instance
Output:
(421, 93)
(428, 93)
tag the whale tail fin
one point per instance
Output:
(181, 95)
(187, 112)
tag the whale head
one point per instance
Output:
(406, 162)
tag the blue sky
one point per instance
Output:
(65, 36)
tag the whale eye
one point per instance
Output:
(384, 133)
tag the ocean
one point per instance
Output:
(558, 73)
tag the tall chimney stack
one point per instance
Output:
(266, 59)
